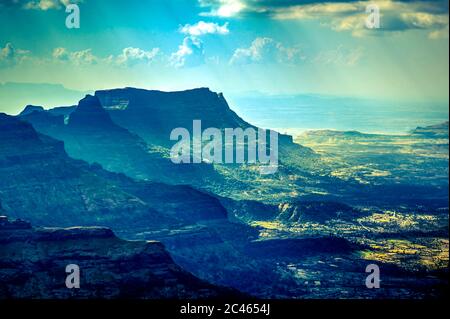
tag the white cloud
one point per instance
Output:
(266, 50)
(202, 28)
(83, 57)
(190, 53)
(132, 56)
(223, 8)
(10, 56)
(61, 54)
(129, 57)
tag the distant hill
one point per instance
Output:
(13, 96)
(433, 131)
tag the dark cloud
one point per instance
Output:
(400, 15)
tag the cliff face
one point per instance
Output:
(109, 267)
(154, 114)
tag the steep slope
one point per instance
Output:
(40, 183)
(109, 267)
(30, 109)
(89, 134)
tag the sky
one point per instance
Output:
(231, 46)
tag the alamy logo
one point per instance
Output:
(73, 19)
(373, 280)
(373, 18)
(227, 146)
(73, 277)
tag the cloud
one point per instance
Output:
(202, 28)
(222, 8)
(266, 50)
(43, 5)
(190, 53)
(10, 56)
(439, 34)
(83, 57)
(350, 16)
(395, 17)
(131, 56)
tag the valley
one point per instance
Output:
(338, 202)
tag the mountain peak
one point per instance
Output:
(13, 129)
(89, 101)
(30, 109)
(90, 114)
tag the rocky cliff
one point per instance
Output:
(33, 263)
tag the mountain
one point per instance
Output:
(128, 131)
(307, 231)
(39, 182)
(110, 268)
(30, 109)
(90, 134)
(154, 114)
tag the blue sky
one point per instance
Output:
(232, 46)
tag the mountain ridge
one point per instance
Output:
(110, 267)
(41, 183)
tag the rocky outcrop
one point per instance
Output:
(109, 267)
